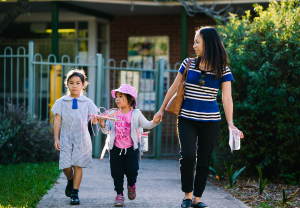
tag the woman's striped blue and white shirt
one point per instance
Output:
(200, 102)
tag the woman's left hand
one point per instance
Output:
(241, 135)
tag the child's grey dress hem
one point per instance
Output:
(75, 140)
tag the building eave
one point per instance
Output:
(150, 2)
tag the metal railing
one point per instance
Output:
(38, 82)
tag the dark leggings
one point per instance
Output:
(126, 163)
(206, 133)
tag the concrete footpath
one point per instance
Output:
(158, 185)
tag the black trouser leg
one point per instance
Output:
(207, 133)
(207, 136)
(187, 134)
(131, 165)
(117, 168)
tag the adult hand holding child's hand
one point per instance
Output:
(159, 114)
(156, 119)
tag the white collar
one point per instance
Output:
(80, 98)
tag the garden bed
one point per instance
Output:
(250, 195)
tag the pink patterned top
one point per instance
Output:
(123, 138)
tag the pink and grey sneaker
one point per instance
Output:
(119, 200)
(131, 192)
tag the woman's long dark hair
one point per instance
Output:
(214, 54)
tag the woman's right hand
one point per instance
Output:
(160, 114)
(57, 145)
(171, 92)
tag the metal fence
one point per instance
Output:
(36, 82)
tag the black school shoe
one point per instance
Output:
(69, 188)
(187, 203)
(74, 200)
(200, 205)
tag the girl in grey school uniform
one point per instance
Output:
(74, 144)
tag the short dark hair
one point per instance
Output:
(131, 100)
(214, 54)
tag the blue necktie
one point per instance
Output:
(75, 105)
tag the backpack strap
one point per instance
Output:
(136, 114)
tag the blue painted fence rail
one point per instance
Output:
(27, 80)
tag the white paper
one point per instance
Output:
(234, 139)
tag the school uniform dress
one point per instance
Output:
(75, 140)
(198, 126)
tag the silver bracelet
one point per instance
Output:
(230, 123)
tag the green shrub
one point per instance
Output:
(264, 55)
(6, 132)
(286, 199)
(232, 177)
(24, 138)
(262, 183)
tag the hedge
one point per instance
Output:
(264, 55)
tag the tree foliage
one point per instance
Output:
(20, 7)
(264, 54)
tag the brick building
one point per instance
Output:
(139, 31)
(104, 26)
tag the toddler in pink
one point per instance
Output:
(123, 141)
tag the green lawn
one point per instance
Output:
(23, 185)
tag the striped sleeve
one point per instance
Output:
(57, 107)
(93, 109)
(183, 65)
(227, 76)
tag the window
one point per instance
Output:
(144, 52)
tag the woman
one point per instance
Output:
(199, 118)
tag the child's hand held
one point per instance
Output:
(100, 121)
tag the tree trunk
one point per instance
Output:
(12, 14)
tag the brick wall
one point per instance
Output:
(123, 27)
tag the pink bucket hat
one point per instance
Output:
(126, 89)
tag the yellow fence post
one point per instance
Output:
(55, 87)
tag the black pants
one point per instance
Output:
(188, 132)
(127, 164)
